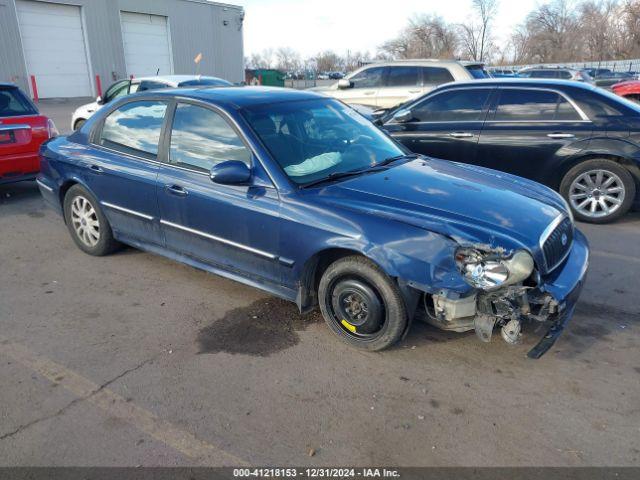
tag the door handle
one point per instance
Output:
(414, 91)
(176, 190)
(369, 93)
(561, 135)
(96, 169)
(461, 134)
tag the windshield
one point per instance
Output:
(313, 139)
(13, 102)
(478, 71)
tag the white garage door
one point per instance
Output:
(146, 44)
(53, 43)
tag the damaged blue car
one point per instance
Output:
(301, 196)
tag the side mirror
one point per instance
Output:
(343, 84)
(403, 116)
(99, 100)
(231, 172)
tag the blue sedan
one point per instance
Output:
(301, 196)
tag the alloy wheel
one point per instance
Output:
(597, 193)
(85, 221)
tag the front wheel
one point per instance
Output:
(598, 190)
(361, 304)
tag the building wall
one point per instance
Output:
(195, 26)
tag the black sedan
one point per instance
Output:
(577, 139)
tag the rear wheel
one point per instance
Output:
(87, 225)
(598, 190)
(79, 123)
(361, 304)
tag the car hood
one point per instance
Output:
(467, 203)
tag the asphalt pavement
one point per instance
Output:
(133, 359)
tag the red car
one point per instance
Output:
(630, 89)
(22, 131)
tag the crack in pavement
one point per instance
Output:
(75, 401)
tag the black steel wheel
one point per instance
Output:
(361, 304)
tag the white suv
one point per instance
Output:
(385, 85)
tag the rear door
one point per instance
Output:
(401, 83)
(446, 124)
(123, 167)
(529, 129)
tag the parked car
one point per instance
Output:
(336, 75)
(559, 73)
(629, 90)
(612, 78)
(22, 131)
(502, 73)
(388, 84)
(573, 137)
(128, 86)
(301, 196)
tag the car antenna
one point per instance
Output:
(157, 72)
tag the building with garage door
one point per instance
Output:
(77, 48)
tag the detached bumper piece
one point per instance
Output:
(555, 330)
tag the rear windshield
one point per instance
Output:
(13, 102)
(478, 71)
(214, 82)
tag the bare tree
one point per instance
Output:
(425, 36)
(476, 35)
(328, 61)
(287, 59)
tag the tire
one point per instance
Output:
(583, 196)
(356, 289)
(79, 123)
(89, 228)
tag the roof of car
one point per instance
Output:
(176, 79)
(546, 82)
(239, 97)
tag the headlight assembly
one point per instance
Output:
(490, 270)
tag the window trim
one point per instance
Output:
(165, 139)
(583, 117)
(486, 108)
(96, 133)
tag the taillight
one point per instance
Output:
(52, 131)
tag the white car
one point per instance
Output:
(125, 87)
(387, 84)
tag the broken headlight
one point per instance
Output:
(489, 270)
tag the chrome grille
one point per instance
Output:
(553, 247)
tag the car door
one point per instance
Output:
(364, 88)
(401, 83)
(528, 129)
(121, 168)
(231, 227)
(444, 125)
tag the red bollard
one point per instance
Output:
(98, 85)
(34, 87)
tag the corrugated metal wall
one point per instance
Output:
(196, 26)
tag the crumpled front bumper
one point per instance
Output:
(564, 285)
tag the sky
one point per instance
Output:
(311, 26)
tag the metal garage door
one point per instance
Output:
(146, 44)
(54, 48)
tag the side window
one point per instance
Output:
(436, 76)
(532, 105)
(133, 88)
(118, 89)
(457, 105)
(369, 78)
(403, 77)
(201, 138)
(151, 85)
(134, 128)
